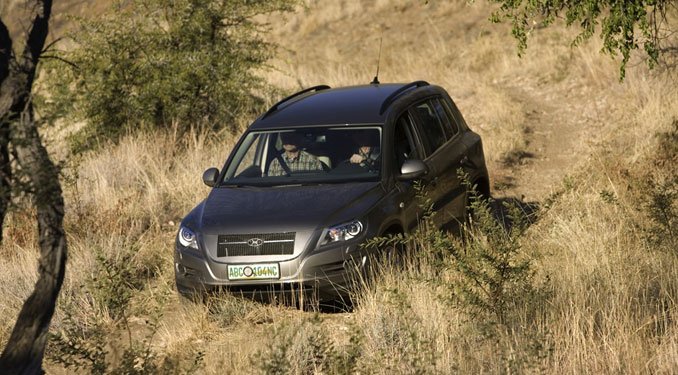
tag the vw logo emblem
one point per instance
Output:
(255, 242)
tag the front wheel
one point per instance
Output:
(390, 256)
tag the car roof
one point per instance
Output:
(344, 105)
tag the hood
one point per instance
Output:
(285, 208)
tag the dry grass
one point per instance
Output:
(611, 301)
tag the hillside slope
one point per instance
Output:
(560, 133)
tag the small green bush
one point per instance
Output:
(162, 63)
(494, 273)
(661, 194)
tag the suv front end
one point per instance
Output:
(317, 261)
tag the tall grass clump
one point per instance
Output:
(662, 194)
(103, 337)
(306, 347)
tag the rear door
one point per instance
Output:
(445, 154)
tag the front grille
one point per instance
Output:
(255, 244)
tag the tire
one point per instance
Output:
(392, 255)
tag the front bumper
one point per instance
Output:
(325, 275)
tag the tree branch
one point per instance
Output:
(55, 57)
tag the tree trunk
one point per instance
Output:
(26, 346)
(5, 167)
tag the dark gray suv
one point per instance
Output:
(318, 174)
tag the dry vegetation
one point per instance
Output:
(596, 155)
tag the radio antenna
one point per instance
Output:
(375, 81)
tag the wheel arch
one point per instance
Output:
(392, 228)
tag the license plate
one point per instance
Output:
(253, 271)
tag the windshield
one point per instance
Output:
(307, 155)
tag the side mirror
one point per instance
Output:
(412, 169)
(209, 177)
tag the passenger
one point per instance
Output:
(367, 154)
(295, 159)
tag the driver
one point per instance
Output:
(367, 153)
(294, 158)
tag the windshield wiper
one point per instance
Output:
(239, 185)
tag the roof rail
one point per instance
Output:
(304, 91)
(391, 98)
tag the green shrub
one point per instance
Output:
(663, 213)
(493, 272)
(661, 194)
(162, 63)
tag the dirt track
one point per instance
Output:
(556, 135)
(563, 123)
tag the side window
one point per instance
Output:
(449, 125)
(452, 109)
(405, 146)
(430, 125)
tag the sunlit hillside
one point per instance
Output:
(594, 157)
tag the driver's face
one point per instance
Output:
(289, 147)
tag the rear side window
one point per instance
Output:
(431, 125)
(456, 115)
(449, 125)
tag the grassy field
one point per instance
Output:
(595, 158)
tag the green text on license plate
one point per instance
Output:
(253, 271)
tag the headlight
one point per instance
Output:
(343, 232)
(187, 238)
